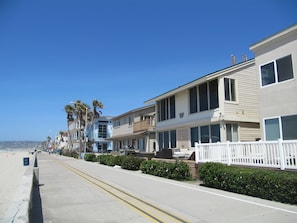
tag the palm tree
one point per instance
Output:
(70, 112)
(83, 114)
(96, 104)
(49, 143)
(80, 109)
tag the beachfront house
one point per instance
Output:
(99, 133)
(134, 130)
(74, 135)
(275, 71)
(276, 64)
(220, 106)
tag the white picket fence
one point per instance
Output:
(274, 154)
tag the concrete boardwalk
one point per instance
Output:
(67, 196)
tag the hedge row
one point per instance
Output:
(70, 153)
(177, 171)
(90, 157)
(126, 162)
(267, 184)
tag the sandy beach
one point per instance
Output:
(11, 175)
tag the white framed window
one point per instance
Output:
(204, 97)
(289, 124)
(130, 120)
(230, 89)
(277, 71)
(166, 109)
(205, 134)
(167, 139)
(232, 132)
(283, 127)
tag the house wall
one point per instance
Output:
(246, 106)
(124, 135)
(124, 128)
(183, 118)
(183, 138)
(244, 111)
(137, 115)
(249, 132)
(277, 99)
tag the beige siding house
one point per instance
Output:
(276, 63)
(134, 130)
(220, 106)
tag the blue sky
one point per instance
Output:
(121, 52)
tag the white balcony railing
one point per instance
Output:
(275, 154)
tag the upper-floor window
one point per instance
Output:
(166, 109)
(102, 131)
(130, 120)
(277, 71)
(204, 97)
(116, 123)
(230, 93)
(124, 120)
(193, 100)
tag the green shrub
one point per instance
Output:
(267, 184)
(108, 160)
(150, 167)
(118, 160)
(131, 162)
(90, 157)
(70, 153)
(177, 171)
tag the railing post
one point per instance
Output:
(228, 154)
(281, 154)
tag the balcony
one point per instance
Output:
(144, 125)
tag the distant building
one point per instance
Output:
(61, 140)
(74, 135)
(135, 130)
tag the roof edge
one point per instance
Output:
(283, 32)
(207, 77)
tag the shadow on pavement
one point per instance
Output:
(36, 210)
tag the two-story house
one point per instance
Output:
(99, 133)
(74, 132)
(135, 130)
(220, 106)
(276, 64)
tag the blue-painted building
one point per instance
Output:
(100, 131)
